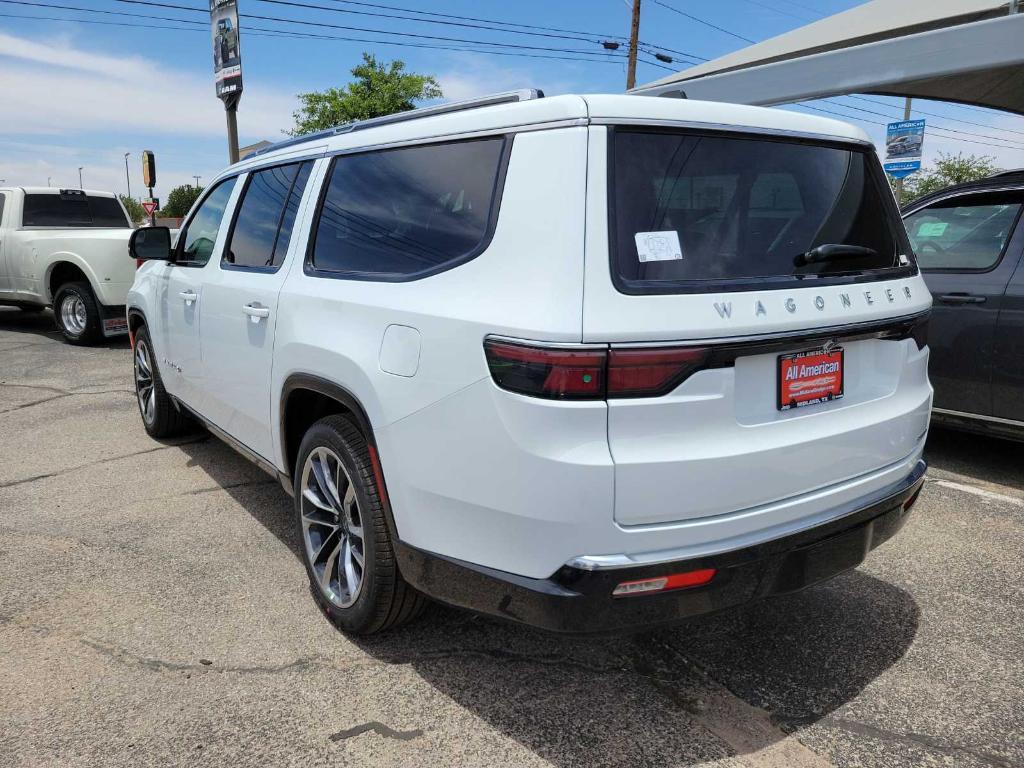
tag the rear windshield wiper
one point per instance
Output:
(833, 252)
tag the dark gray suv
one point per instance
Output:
(969, 240)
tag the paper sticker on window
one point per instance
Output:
(658, 246)
(932, 228)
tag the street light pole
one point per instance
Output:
(80, 185)
(127, 176)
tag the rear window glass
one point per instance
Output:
(692, 209)
(965, 233)
(78, 211)
(404, 213)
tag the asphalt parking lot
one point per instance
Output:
(153, 611)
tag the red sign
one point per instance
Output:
(149, 208)
(806, 378)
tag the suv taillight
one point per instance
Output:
(590, 373)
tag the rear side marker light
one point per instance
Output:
(594, 373)
(664, 583)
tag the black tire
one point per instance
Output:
(384, 599)
(91, 330)
(164, 420)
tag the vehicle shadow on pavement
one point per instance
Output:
(981, 457)
(43, 325)
(734, 683)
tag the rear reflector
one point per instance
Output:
(664, 583)
(590, 373)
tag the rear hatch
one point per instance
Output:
(773, 278)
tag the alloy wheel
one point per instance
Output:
(332, 527)
(144, 387)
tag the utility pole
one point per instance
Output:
(197, 178)
(634, 35)
(899, 182)
(127, 176)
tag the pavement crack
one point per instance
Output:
(379, 728)
(57, 394)
(35, 478)
(918, 739)
(205, 666)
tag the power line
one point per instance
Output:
(933, 127)
(370, 30)
(702, 21)
(876, 122)
(266, 32)
(779, 10)
(941, 117)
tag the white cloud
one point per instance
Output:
(51, 87)
(475, 76)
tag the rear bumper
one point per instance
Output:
(579, 601)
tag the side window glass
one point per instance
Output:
(200, 235)
(266, 215)
(400, 213)
(962, 233)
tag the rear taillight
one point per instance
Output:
(920, 334)
(651, 372)
(556, 374)
(592, 373)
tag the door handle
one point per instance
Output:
(960, 298)
(255, 311)
(190, 297)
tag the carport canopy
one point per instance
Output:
(967, 51)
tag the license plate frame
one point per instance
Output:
(798, 383)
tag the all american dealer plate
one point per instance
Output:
(810, 377)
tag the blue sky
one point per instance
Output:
(82, 94)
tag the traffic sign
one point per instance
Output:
(150, 206)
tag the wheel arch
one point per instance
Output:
(307, 398)
(67, 268)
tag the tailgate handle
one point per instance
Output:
(960, 298)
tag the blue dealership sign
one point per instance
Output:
(904, 142)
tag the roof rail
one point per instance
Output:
(506, 97)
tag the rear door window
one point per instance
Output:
(400, 214)
(700, 212)
(965, 233)
(266, 215)
(76, 210)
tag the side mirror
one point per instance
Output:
(150, 244)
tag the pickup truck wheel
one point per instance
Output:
(346, 546)
(76, 312)
(160, 417)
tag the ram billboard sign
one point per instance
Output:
(227, 55)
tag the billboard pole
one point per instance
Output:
(899, 181)
(227, 65)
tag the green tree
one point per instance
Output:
(948, 170)
(134, 208)
(179, 201)
(379, 88)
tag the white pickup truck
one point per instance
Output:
(67, 249)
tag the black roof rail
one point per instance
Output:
(506, 97)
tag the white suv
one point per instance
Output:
(587, 362)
